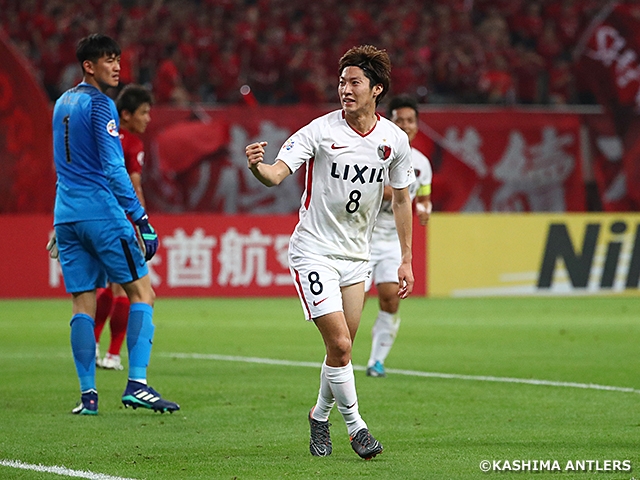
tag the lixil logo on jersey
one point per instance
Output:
(112, 129)
(384, 151)
(288, 145)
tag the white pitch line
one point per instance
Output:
(67, 472)
(412, 373)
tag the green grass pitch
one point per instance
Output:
(247, 420)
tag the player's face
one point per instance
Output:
(106, 71)
(407, 120)
(355, 91)
(138, 120)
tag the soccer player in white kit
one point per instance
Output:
(385, 249)
(348, 154)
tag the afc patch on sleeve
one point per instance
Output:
(112, 128)
(288, 145)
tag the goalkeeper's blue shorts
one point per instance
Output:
(94, 251)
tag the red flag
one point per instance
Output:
(27, 177)
(609, 63)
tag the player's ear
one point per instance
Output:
(377, 89)
(87, 67)
(125, 115)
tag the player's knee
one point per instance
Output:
(341, 349)
(147, 295)
(150, 296)
(140, 291)
(388, 297)
(390, 304)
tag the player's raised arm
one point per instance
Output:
(268, 174)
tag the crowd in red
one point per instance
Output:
(287, 51)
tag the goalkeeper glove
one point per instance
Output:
(147, 237)
(52, 247)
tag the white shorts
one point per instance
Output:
(386, 257)
(318, 280)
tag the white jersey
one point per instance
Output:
(345, 177)
(386, 225)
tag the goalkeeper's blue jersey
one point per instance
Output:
(92, 181)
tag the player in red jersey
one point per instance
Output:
(134, 106)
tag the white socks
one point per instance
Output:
(325, 401)
(339, 383)
(384, 334)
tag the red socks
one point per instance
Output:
(118, 322)
(118, 309)
(104, 301)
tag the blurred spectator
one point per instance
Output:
(205, 50)
(529, 74)
(169, 86)
(561, 82)
(224, 75)
(528, 23)
(567, 17)
(51, 66)
(129, 60)
(496, 83)
(548, 45)
(265, 74)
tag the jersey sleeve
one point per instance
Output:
(133, 153)
(422, 167)
(105, 128)
(401, 172)
(300, 147)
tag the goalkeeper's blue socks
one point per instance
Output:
(139, 340)
(83, 346)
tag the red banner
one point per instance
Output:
(498, 160)
(199, 256)
(494, 160)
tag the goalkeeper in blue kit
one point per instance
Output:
(95, 240)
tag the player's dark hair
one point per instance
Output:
(375, 64)
(131, 97)
(95, 46)
(402, 101)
